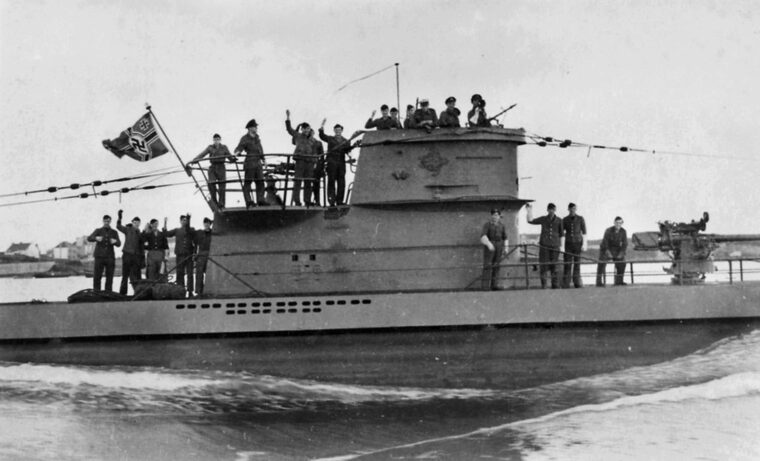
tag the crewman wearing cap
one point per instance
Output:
(304, 158)
(217, 173)
(131, 252)
(477, 115)
(450, 117)
(105, 239)
(574, 227)
(203, 248)
(253, 166)
(184, 251)
(425, 117)
(494, 240)
(319, 169)
(385, 122)
(337, 149)
(549, 243)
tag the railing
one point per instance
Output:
(727, 270)
(279, 178)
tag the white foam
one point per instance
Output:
(110, 378)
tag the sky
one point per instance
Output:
(676, 76)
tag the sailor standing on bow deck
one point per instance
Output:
(184, 249)
(203, 248)
(132, 252)
(494, 240)
(304, 158)
(105, 239)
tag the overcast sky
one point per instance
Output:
(672, 76)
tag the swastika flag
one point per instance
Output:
(141, 141)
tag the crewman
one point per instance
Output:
(385, 122)
(105, 239)
(425, 117)
(253, 165)
(304, 159)
(613, 247)
(338, 148)
(574, 227)
(155, 243)
(131, 252)
(477, 116)
(409, 120)
(450, 117)
(549, 243)
(203, 248)
(184, 249)
(319, 169)
(494, 240)
(217, 173)
(396, 123)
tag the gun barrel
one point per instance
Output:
(722, 238)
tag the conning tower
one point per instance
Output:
(416, 209)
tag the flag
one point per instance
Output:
(141, 141)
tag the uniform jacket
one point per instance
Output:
(408, 123)
(104, 248)
(574, 227)
(218, 154)
(616, 242)
(481, 120)
(551, 230)
(382, 123)
(132, 238)
(304, 147)
(337, 147)
(203, 241)
(496, 232)
(154, 241)
(420, 115)
(449, 118)
(184, 243)
(251, 145)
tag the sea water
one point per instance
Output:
(705, 405)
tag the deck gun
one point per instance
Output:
(690, 251)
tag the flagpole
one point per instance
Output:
(398, 93)
(150, 111)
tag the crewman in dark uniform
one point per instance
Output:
(425, 117)
(131, 253)
(613, 247)
(105, 239)
(450, 117)
(409, 120)
(549, 243)
(184, 249)
(319, 169)
(217, 173)
(155, 244)
(494, 240)
(396, 124)
(304, 159)
(575, 242)
(337, 149)
(253, 165)
(203, 248)
(477, 115)
(385, 122)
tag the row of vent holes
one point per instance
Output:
(330, 302)
(277, 311)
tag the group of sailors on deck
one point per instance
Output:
(148, 248)
(311, 162)
(571, 229)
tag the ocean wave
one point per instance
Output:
(190, 390)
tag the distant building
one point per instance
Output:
(81, 248)
(65, 250)
(25, 249)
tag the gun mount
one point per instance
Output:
(690, 251)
